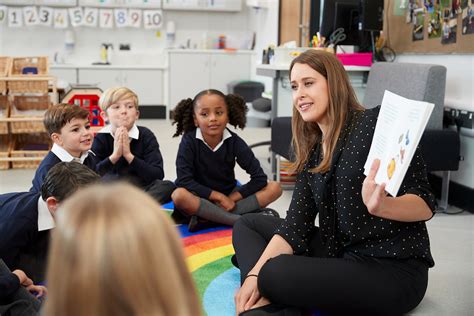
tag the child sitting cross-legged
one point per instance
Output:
(206, 159)
(126, 151)
(69, 128)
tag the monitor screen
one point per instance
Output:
(342, 14)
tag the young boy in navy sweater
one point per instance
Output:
(69, 128)
(126, 151)
(26, 218)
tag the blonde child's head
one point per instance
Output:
(114, 252)
(119, 107)
(69, 127)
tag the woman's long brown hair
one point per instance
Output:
(341, 97)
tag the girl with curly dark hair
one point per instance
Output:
(207, 188)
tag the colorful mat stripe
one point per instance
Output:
(208, 257)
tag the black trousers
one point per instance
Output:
(352, 283)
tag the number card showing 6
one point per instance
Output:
(91, 17)
(152, 19)
(121, 17)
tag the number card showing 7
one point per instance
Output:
(106, 18)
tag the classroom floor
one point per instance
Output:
(451, 281)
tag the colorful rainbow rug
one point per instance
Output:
(208, 255)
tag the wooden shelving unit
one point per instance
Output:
(27, 97)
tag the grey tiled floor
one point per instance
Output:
(451, 281)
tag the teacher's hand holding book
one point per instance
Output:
(373, 195)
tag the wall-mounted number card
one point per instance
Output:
(61, 18)
(152, 19)
(135, 18)
(45, 16)
(3, 14)
(76, 15)
(106, 18)
(30, 16)
(121, 17)
(91, 17)
(15, 17)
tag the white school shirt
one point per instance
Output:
(45, 219)
(226, 135)
(64, 156)
(132, 133)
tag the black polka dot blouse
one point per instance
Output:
(344, 221)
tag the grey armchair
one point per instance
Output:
(440, 147)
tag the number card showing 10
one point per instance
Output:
(152, 19)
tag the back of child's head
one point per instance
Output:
(60, 114)
(183, 114)
(65, 178)
(115, 252)
(116, 94)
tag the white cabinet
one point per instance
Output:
(204, 5)
(192, 72)
(64, 74)
(146, 83)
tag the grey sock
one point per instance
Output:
(212, 212)
(247, 205)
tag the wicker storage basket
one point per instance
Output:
(5, 63)
(4, 111)
(30, 111)
(3, 86)
(27, 66)
(28, 86)
(31, 147)
(4, 152)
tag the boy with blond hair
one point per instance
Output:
(126, 151)
(68, 127)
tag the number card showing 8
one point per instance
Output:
(121, 17)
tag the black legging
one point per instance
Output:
(353, 283)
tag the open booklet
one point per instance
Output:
(399, 128)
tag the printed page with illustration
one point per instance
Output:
(398, 131)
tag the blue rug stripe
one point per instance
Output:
(218, 298)
(168, 206)
(183, 230)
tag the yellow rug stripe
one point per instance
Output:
(200, 259)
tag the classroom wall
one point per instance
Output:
(459, 95)
(195, 26)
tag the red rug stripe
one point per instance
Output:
(205, 237)
(207, 245)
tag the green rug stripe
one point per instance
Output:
(204, 275)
